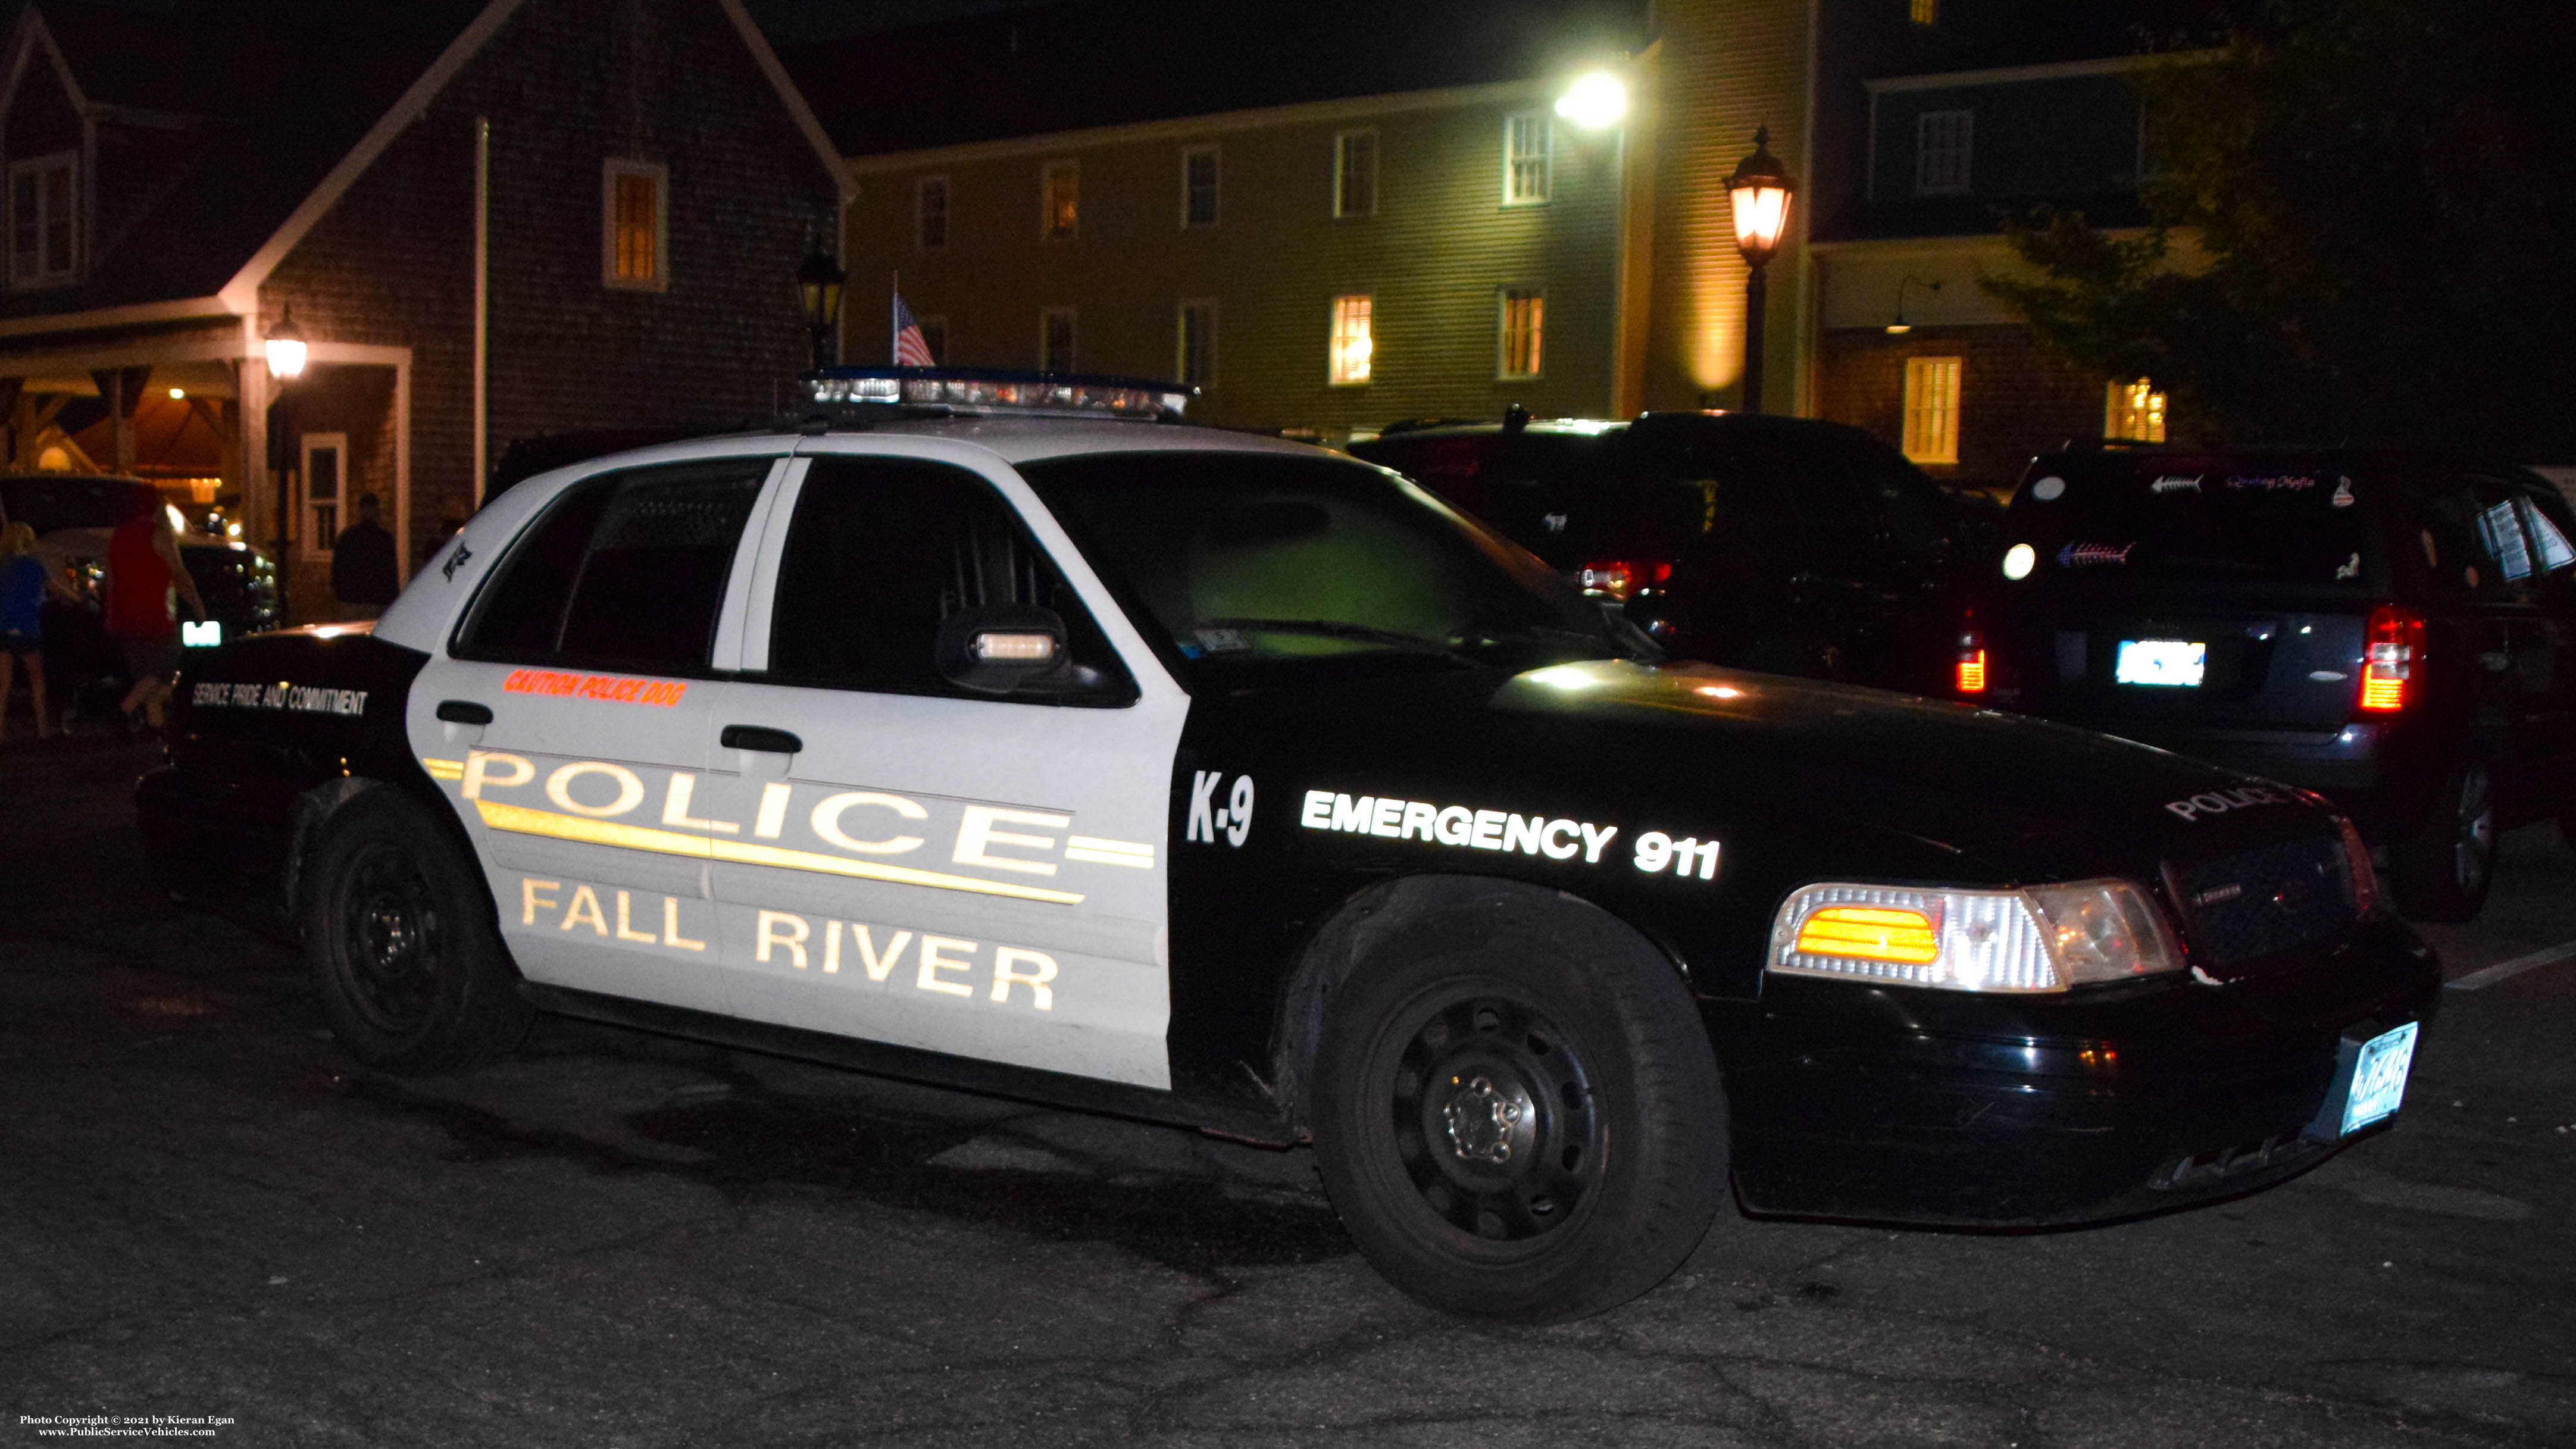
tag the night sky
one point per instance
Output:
(795, 22)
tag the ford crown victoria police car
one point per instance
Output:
(1002, 735)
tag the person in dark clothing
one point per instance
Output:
(362, 564)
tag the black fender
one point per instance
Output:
(270, 736)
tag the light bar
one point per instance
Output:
(963, 390)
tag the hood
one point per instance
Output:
(2031, 799)
(1807, 774)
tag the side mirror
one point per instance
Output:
(999, 648)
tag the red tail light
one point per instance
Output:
(2394, 651)
(1623, 578)
(1972, 662)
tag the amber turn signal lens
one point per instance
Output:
(1870, 933)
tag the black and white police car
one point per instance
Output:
(1006, 734)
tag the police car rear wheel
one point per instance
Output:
(1527, 1129)
(403, 945)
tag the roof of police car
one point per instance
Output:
(1020, 439)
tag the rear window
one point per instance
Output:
(2194, 518)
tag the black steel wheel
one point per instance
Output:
(1518, 1115)
(1492, 1116)
(2442, 872)
(403, 943)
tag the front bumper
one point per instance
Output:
(1905, 1105)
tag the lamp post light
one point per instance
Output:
(1760, 190)
(818, 281)
(286, 353)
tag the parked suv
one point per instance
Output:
(2395, 631)
(1780, 544)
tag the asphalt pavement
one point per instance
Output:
(213, 1224)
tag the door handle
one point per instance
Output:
(761, 738)
(464, 712)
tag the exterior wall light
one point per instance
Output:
(1900, 326)
(285, 347)
(1596, 101)
(1760, 190)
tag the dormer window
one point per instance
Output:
(44, 230)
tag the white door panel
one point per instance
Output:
(1028, 838)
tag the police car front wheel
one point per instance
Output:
(402, 942)
(1522, 1125)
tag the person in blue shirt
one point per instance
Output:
(25, 579)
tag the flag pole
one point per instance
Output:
(894, 322)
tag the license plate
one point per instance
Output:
(201, 634)
(2161, 661)
(2378, 1078)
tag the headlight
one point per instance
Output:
(2043, 938)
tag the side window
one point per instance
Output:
(2548, 540)
(1909, 505)
(882, 552)
(2473, 543)
(625, 571)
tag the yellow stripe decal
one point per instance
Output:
(519, 820)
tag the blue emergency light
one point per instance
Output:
(983, 390)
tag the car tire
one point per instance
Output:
(403, 943)
(2441, 873)
(1519, 1117)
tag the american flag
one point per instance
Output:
(910, 349)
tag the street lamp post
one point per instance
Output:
(1760, 190)
(818, 281)
(286, 352)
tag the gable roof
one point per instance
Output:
(1089, 63)
(267, 145)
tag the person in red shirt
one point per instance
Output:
(144, 574)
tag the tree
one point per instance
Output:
(2364, 231)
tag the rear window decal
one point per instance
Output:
(2087, 555)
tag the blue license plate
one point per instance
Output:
(2378, 1078)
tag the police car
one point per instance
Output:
(1010, 734)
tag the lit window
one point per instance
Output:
(325, 485)
(1060, 200)
(1941, 152)
(1355, 173)
(1932, 409)
(930, 213)
(1055, 340)
(44, 233)
(2135, 411)
(1353, 339)
(1524, 314)
(1195, 362)
(1923, 12)
(637, 230)
(1525, 159)
(1198, 186)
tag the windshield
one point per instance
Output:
(2193, 517)
(1246, 558)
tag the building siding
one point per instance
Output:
(568, 84)
(1724, 68)
(1434, 257)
